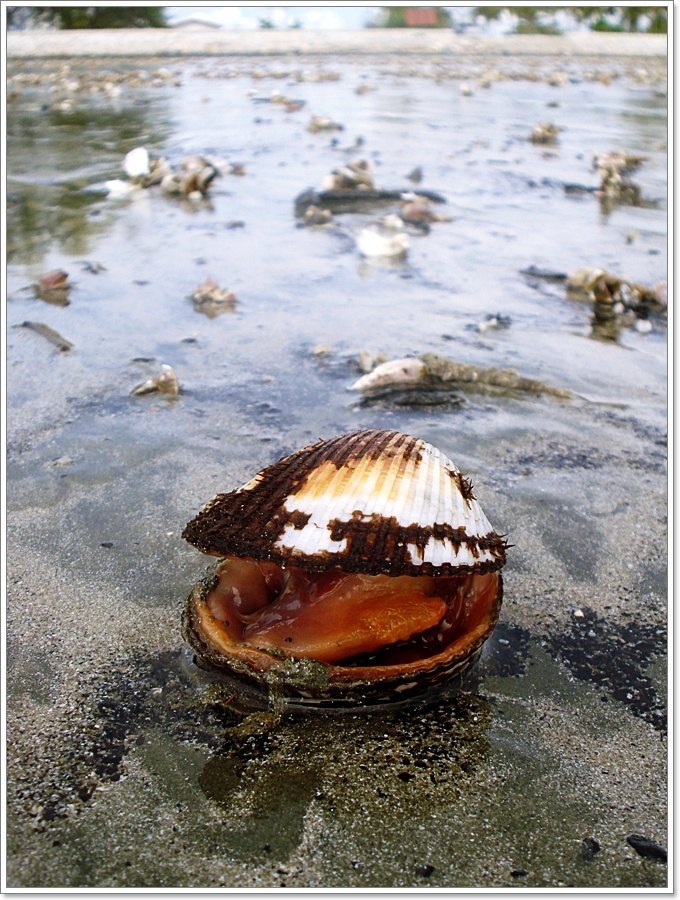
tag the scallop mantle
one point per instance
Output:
(374, 502)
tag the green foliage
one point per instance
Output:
(66, 17)
(603, 25)
(625, 18)
(526, 26)
(659, 24)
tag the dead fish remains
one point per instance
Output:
(357, 571)
(50, 334)
(431, 369)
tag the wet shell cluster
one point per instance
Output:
(356, 571)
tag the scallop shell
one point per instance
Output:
(374, 502)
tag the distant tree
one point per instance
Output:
(265, 23)
(66, 17)
(599, 18)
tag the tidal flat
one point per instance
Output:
(122, 769)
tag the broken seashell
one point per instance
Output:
(158, 169)
(643, 326)
(192, 181)
(372, 243)
(494, 322)
(323, 123)
(322, 350)
(165, 383)
(211, 292)
(615, 185)
(660, 293)
(116, 188)
(357, 571)
(313, 215)
(136, 163)
(171, 184)
(391, 222)
(356, 174)
(53, 287)
(368, 360)
(545, 133)
(619, 160)
(419, 212)
(626, 296)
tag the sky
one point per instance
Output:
(311, 17)
(347, 16)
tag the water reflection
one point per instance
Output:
(605, 324)
(52, 156)
(39, 216)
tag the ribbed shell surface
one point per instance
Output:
(375, 502)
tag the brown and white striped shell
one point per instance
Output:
(393, 516)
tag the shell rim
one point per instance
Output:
(342, 690)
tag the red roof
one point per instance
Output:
(418, 16)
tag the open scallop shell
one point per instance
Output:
(376, 503)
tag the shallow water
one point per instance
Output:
(569, 481)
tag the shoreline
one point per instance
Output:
(369, 41)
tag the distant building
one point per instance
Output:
(420, 17)
(195, 25)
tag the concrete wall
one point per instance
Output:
(173, 42)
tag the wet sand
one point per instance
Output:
(123, 768)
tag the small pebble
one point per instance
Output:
(322, 350)
(424, 871)
(59, 462)
(646, 847)
(589, 847)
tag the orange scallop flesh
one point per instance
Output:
(361, 627)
